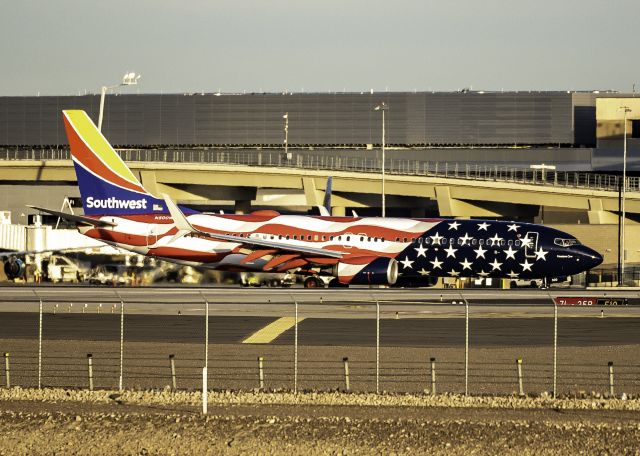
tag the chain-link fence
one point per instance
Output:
(359, 345)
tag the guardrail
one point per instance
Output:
(270, 158)
(99, 349)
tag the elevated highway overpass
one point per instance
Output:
(267, 178)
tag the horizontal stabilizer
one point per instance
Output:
(74, 218)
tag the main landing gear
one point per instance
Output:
(313, 282)
(317, 282)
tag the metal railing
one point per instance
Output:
(610, 277)
(325, 162)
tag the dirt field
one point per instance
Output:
(78, 422)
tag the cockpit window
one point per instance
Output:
(566, 242)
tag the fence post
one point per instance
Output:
(173, 372)
(39, 342)
(205, 369)
(346, 373)
(120, 379)
(261, 372)
(206, 331)
(433, 376)
(611, 389)
(377, 346)
(7, 372)
(90, 367)
(466, 345)
(295, 349)
(204, 390)
(520, 385)
(555, 348)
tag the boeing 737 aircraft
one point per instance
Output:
(119, 211)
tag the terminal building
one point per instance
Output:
(573, 131)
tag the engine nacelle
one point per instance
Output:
(14, 268)
(376, 271)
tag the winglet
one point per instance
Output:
(179, 219)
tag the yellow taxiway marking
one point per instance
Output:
(269, 333)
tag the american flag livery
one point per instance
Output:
(352, 250)
(496, 249)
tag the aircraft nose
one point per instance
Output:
(589, 257)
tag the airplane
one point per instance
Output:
(354, 250)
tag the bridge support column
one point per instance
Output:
(149, 182)
(452, 207)
(242, 206)
(598, 216)
(313, 196)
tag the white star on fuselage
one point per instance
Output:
(436, 238)
(483, 274)
(451, 252)
(513, 275)
(421, 250)
(496, 265)
(526, 266)
(483, 226)
(510, 253)
(465, 239)
(406, 263)
(495, 239)
(541, 254)
(423, 272)
(454, 226)
(466, 264)
(437, 264)
(526, 242)
(480, 252)
(513, 227)
(453, 273)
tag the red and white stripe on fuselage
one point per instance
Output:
(355, 237)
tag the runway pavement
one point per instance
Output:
(351, 303)
(484, 332)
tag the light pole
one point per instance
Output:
(625, 110)
(127, 79)
(286, 135)
(383, 107)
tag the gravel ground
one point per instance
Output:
(57, 421)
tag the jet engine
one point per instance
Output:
(376, 271)
(14, 268)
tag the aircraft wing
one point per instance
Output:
(74, 218)
(183, 225)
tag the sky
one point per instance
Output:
(62, 47)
